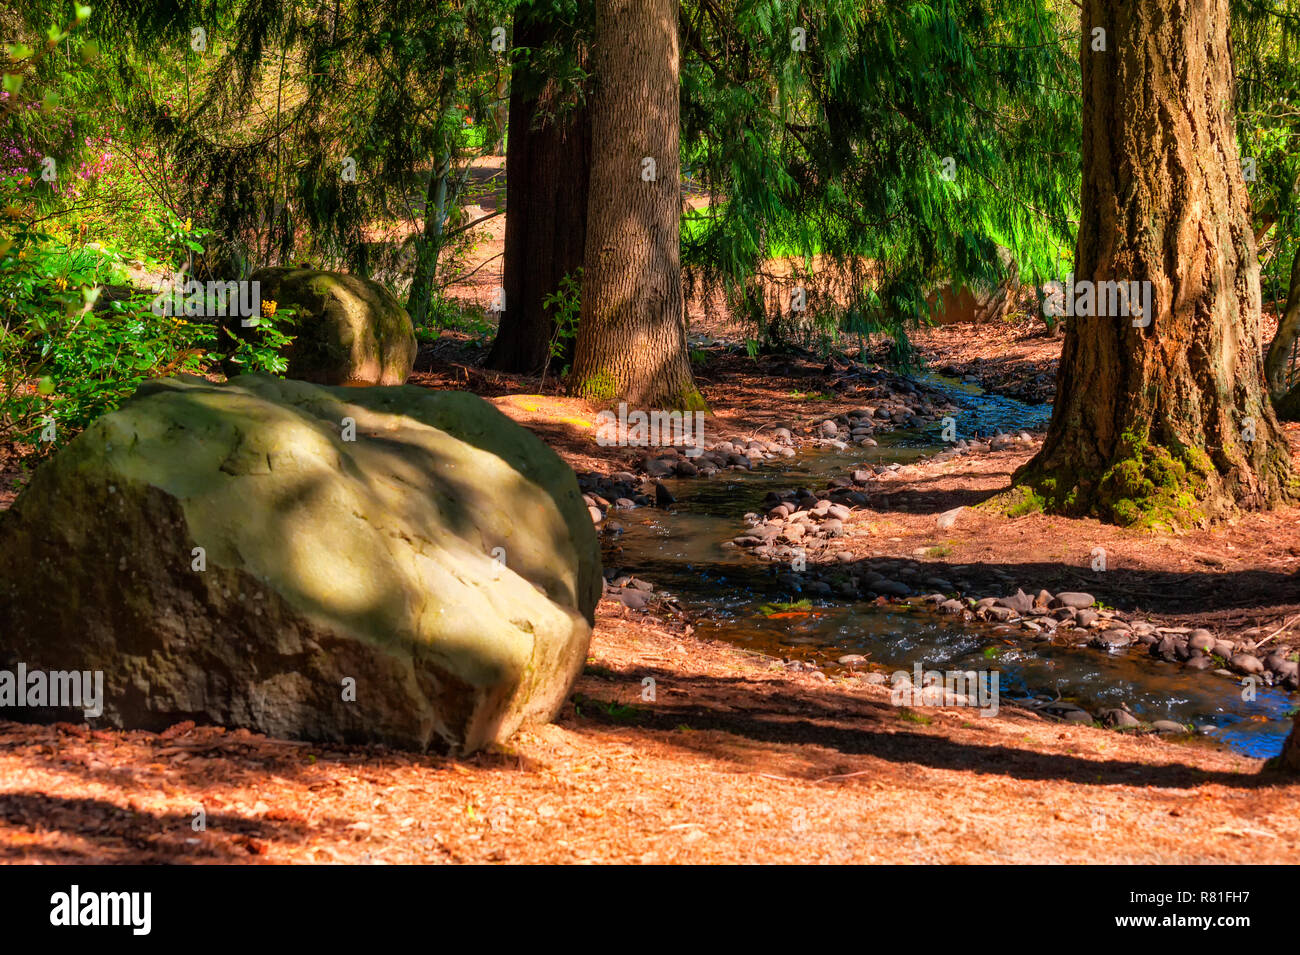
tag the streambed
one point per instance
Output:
(681, 551)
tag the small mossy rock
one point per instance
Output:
(441, 562)
(347, 330)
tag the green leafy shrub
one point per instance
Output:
(566, 303)
(64, 362)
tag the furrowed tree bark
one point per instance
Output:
(632, 334)
(548, 160)
(1170, 424)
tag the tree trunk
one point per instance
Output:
(1291, 750)
(1277, 363)
(548, 158)
(502, 111)
(429, 244)
(1168, 424)
(632, 333)
(1287, 407)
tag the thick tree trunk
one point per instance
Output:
(1168, 423)
(632, 334)
(548, 158)
(1277, 362)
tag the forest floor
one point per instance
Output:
(737, 759)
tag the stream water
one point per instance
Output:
(681, 552)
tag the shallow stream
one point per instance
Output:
(681, 552)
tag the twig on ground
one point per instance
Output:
(1285, 626)
(861, 772)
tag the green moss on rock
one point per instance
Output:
(347, 331)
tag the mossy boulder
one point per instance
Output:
(382, 565)
(347, 330)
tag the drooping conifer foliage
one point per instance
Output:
(899, 143)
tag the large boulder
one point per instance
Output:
(438, 565)
(347, 330)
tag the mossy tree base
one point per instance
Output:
(1161, 419)
(1146, 486)
(604, 388)
(1150, 487)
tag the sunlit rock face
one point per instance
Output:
(388, 565)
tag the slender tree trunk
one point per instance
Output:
(429, 244)
(1277, 363)
(632, 334)
(502, 115)
(1168, 423)
(548, 158)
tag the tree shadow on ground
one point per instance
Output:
(847, 724)
(134, 834)
(933, 502)
(1187, 594)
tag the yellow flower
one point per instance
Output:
(61, 283)
(268, 308)
(188, 225)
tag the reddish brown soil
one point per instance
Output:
(732, 762)
(1018, 359)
